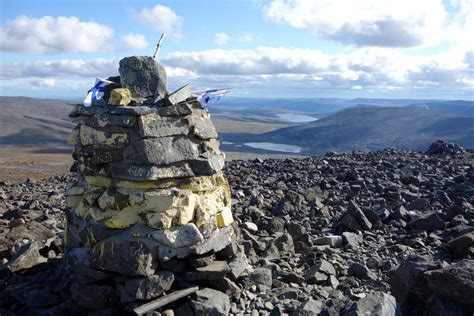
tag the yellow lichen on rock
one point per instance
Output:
(224, 218)
(123, 219)
(120, 97)
(98, 181)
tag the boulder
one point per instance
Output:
(210, 302)
(143, 76)
(455, 282)
(93, 296)
(376, 304)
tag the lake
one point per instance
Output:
(275, 147)
(297, 118)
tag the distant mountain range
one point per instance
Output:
(371, 128)
(34, 122)
(344, 125)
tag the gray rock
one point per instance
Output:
(376, 304)
(26, 257)
(147, 288)
(143, 76)
(319, 272)
(214, 270)
(310, 307)
(165, 150)
(108, 255)
(361, 271)
(237, 266)
(350, 223)
(429, 223)
(284, 243)
(41, 298)
(463, 245)
(261, 276)
(210, 302)
(353, 240)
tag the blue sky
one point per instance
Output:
(271, 48)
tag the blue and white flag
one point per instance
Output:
(210, 95)
(96, 92)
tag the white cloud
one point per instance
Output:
(161, 19)
(388, 23)
(274, 70)
(54, 35)
(59, 68)
(221, 38)
(247, 38)
(43, 83)
(133, 41)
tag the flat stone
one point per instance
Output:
(181, 236)
(109, 255)
(165, 150)
(101, 155)
(210, 302)
(143, 76)
(90, 136)
(135, 289)
(149, 173)
(207, 166)
(179, 95)
(106, 120)
(133, 110)
(160, 126)
(180, 109)
(214, 270)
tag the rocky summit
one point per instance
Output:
(382, 233)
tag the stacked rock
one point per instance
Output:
(152, 209)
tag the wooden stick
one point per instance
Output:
(164, 300)
(158, 46)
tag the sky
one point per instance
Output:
(417, 49)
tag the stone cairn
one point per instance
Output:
(151, 211)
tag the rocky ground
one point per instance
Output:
(384, 233)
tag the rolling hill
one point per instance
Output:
(371, 128)
(34, 122)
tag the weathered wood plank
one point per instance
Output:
(164, 300)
